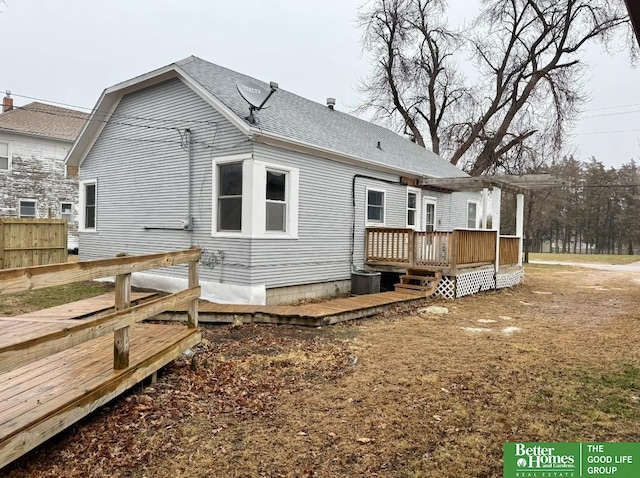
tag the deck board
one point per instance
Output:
(313, 314)
(84, 308)
(41, 399)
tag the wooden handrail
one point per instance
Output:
(24, 352)
(32, 278)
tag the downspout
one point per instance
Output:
(353, 208)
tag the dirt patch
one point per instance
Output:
(401, 395)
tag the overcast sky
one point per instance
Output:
(68, 51)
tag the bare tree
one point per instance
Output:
(527, 56)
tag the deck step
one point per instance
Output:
(418, 278)
(412, 286)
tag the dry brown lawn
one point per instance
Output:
(405, 394)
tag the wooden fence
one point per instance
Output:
(32, 242)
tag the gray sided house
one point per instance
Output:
(34, 142)
(281, 207)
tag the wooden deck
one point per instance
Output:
(311, 315)
(59, 364)
(43, 398)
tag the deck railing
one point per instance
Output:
(15, 353)
(446, 250)
(509, 248)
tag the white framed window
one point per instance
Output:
(229, 197)
(28, 208)
(429, 208)
(254, 198)
(276, 201)
(473, 208)
(413, 207)
(5, 157)
(88, 205)
(66, 211)
(376, 199)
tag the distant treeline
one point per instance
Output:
(599, 213)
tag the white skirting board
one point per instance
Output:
(217, 292)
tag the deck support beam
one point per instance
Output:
(495, 221)
(194, 281)
(520, 225)
(485, 207)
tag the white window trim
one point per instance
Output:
(8, 143)
(35, 201)
(434, 201)
(254, 191)
(292, 188)
(366, 207)
(246, 161)
(417, 192)
(81, 217)
(62, 213)
(477, 203)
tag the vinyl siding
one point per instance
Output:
(322, 251)
(142, 174)
(142, 180)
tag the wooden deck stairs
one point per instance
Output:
(421, 282)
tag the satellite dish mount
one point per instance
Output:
(256, 95)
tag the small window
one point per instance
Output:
(472, 215)
(90, 206)
(66, 211)
(27, 208)
(375, 206)
(276, 207)
(4, 156)
(412, 209)
(230, 197)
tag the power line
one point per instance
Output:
(608, 132)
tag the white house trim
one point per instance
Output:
(82, 206)
(366, 207)
(417, 192)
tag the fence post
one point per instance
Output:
(121, 336)
(194, 280)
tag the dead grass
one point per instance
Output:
(588, 258)
(401, 395)
(23, 302)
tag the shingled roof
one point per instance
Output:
(40, 119)
(294, 117)
(289, 118)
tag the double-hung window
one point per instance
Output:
(253, 198)
(276, 201)
(88, 205)
(4, 157)
(413, 203)
(375, 206)
(229, 197)
(28, 208)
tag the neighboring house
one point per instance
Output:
(34, 142)
(279, 207)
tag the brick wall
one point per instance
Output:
(38, 172)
